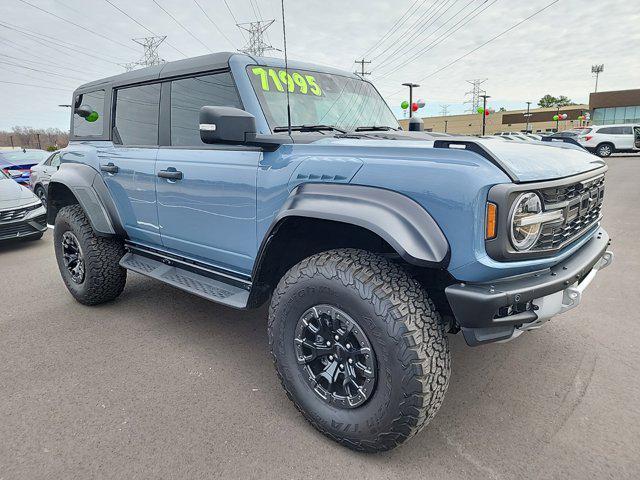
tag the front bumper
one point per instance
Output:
(32, 224)
(503, 309)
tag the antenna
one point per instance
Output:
(286, 66)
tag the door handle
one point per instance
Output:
(109, 168)
(170, 174)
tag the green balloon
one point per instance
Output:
(404, 105)
(555, 118)
(480, 110)
(92, 117)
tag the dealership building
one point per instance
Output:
(621, 106)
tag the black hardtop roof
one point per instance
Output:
(213, 61)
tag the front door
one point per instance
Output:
(128, 166)
(206, 193)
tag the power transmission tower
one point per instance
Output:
(362, 71)
(150, 56)
(476, 92)
(597, 70)
(444, 110)
(256, 44)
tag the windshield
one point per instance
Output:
(317, 98)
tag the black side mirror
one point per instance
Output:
(226, 125)
(83, 111)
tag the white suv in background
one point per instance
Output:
(603, 140)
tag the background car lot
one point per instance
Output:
(164, 384)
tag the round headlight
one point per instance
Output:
(525, 228)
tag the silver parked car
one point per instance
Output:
(41, 173)
(22, 215)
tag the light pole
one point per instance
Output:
(597, 70)
(528, 114)
(557, 118)
(411, 87)
(484, 111)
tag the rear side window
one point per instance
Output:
(136, 118)
(607, 130)
(626, 131)
(188, 95)
(88, 114)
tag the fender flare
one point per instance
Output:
(394, 217)
(89, 189)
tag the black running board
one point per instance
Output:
(205, 287)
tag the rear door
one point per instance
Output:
(626, 137)
(128, 166)
(210, 211)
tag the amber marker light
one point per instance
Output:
(492, 221)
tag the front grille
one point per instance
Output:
(581, 203)
(16, 214)
(15, 230)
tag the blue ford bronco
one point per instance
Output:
(244, 180)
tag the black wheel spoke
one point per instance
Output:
(72, 257)
(336, 356)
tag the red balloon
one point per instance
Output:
(486, 113)
(414, 107)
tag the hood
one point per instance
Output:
(524, 162)
(13, 195)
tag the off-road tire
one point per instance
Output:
(104, 278)
(405, 331)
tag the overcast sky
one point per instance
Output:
(550, 53)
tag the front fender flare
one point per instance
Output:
(397, 219)
(89, 189)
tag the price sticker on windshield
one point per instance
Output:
(272, 79)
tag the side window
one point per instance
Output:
(606, 130)
(88, 113)
(626, 131)
(136, 118)
(189, 95)
(54, 161)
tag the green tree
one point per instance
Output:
(549, 101)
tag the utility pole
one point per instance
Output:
(484, 97)
(12, 145)
(411, 87)
(256, 44)
(150, 56)
(597, 70)
(528, 114)
(38, 137)
(362, 72)
(558, 118)
(444, 109)
(476, 92)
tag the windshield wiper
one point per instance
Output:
(374, 128)
(308, 128)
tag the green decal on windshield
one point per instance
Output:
(293, 81)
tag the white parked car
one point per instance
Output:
(603, 140)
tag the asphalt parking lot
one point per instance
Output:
(162, 384)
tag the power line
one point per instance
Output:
(76, 24)
(143, 26)
(443, 36)
(180, 25)
(394, 28)
(47, 64)
(48, 39)
(214, 23)
(38, 86)
(235, 20)
(391, 57)
(41, 71)
(495, 37)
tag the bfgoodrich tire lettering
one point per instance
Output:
(405, 331)
(102, 279)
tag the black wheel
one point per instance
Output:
(604, 150)
(41, 194)
(359, 348)
(88, 263)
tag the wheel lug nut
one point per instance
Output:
(348, 345)
(351, 360)
(328, 344)
(330, 357)
(341, 366)
(337, 338)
